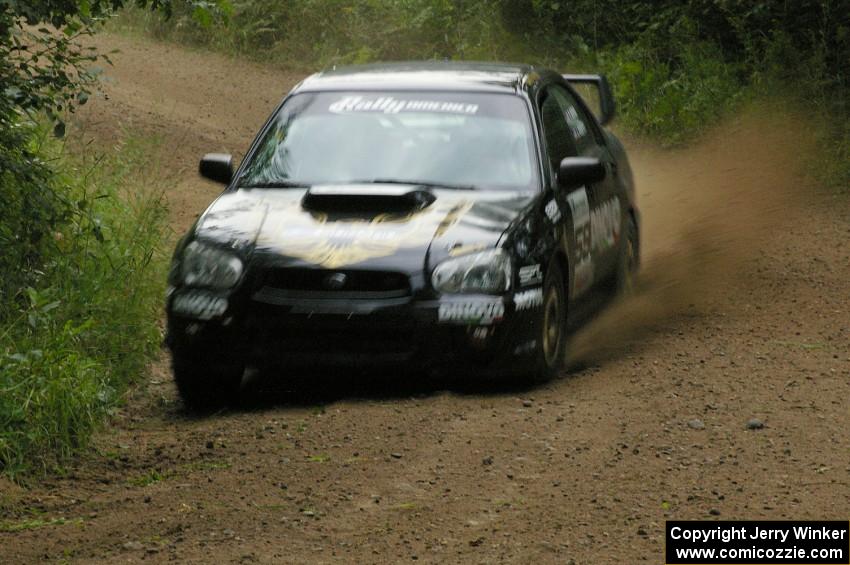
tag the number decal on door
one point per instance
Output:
(582, 259)
(605, 224)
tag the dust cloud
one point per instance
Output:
(707, 211)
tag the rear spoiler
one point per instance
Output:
(607, 107)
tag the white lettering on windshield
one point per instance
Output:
(390, 105)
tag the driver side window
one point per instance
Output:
(566, 130)
(556, 130)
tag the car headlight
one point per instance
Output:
(488, 272)
(208, 266)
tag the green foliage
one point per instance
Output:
(77, 292)
(29, 206)
(35, 524)
(44, 71)
(86, 323)
(671, 99)
(80, 286)
(43, 67)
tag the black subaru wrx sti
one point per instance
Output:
(437, 216)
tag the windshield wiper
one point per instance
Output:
(276, 184)
(426, 184)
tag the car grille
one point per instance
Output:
(360, 317)
(295, 283)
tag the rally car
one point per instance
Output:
(437, 216)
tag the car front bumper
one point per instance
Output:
(473, 335)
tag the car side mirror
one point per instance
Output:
(579, 171)
(217, 167)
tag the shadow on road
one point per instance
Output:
(267, 389)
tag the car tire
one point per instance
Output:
(628, 261)
(205, 384)
(553, 325)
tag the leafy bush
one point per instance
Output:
(29, 207)
(80, 268)
(671, 100)
(45, 73)
(86, 323)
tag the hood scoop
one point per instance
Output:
(367, 198)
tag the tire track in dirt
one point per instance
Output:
(742, 313)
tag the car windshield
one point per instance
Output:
(442, 139)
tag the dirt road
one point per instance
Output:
(742, 313)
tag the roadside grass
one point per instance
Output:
(154, 476)
(150, 477)
(87, 323)
(36, 523)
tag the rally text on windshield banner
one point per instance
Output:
(758, 542)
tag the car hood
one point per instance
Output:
(282, 226)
